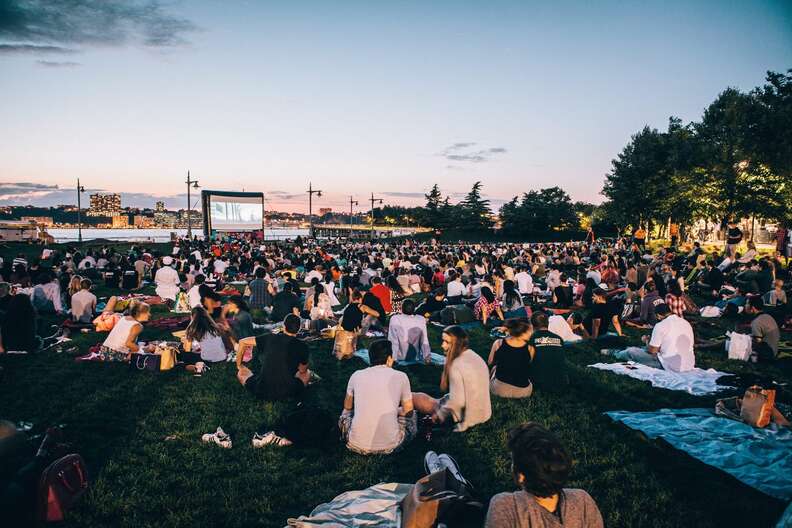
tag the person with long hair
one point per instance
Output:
(466, 378)
(121, 342)
(242, 322)
(512, 302)
(487, 305)
(18, 326)
(204, 336)
(510, 359)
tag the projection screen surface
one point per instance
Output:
(235, 213)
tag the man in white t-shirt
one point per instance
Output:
(83, 303)
(670, 346)
(455, 289)
(378, 415)
(524, 281)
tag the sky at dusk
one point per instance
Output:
(356, 97)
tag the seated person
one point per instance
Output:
(541, 467)
(466, 378)
(603, 313)
(432, 305)
(283, 361)
(121, 342)
(650, 300)
(512, 302)
(167, 280)
(83, 303)
(565, 327)
(194, 293)
(242, 322)
(764, 330)
(203, 339)
(670, 346)
(510, 360)
(486, 306)
(375, 316)
(383, 294)
(408, 335)
(284, 303)
(547, 369)
(563, 296)
(455, 289)
(711, 280)
(18, 326)
(46, 296)
(378, 416)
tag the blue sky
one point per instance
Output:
(359, 97)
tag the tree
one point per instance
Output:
(431, 214)
(539, 212)
(473, 213)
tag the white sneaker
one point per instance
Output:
(432, 463)
(270, 438)
(448, 462)
(219, 437)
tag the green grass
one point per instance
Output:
(118, 420)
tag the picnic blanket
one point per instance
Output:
(436, 359)
(374, 507)
(698, 382)
(169, 323)
(761, 458)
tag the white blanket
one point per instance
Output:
(697, 382)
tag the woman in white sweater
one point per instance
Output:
(466, 378)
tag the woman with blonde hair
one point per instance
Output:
(75, 285)
(466, 378)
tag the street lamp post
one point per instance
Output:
(351, 203)
(373, 200)
(80, 190)
(194, 184)
(311, 192)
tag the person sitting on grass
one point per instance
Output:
(378, 416)
(167, 280)
(432, 305)
(285, 302)
(466, 378)
(510, 359)
(408, 335)
(18, 326)
(83, 303)
(541, 467)
(566, 328)
(486, 306)
(764, 330)
(351, 325)
(603, 313)
(121, 342)
(203, 339)
(548, 363)
(242, 323)
(670, 346)
(283, 361)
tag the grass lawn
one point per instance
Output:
(118, 420)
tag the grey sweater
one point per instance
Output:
(520, 510)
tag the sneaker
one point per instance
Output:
(432, 463)
(448, 462)
(219, 437)
(270, 438)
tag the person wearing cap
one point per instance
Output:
(670, 346)
(167, 280)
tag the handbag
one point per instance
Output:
(757, 406)
(61, 485)
(167, 355)
(143, 361)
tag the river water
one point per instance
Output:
(153, 235)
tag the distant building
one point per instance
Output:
(325, 210)
(143, 222)
(105, 205)
(159, 207)
(120, 221)
(46, 221)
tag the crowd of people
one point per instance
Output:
(253, 303)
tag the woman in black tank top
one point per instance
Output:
(511, 361)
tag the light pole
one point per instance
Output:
(311, 192)
(351, 203)
(194, 184)
(373, 200)
(80, 190)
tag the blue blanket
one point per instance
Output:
(761, 458)
(436, 359)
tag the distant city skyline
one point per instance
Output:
(357, 97)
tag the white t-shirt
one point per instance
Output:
(456, 288)
(378, 392)
(524, 282)
(82, 306)
(194, 296)
(674, 336)
(558, 325)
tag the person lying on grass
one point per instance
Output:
(466, 378)
(378, 416)
(541, 468)
(670, 346)
(283, 358)
(121, 343)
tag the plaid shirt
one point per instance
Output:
(676, 304)
(259, 295)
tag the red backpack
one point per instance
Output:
(62, 484)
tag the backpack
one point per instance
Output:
(456, 315)
(61, 485)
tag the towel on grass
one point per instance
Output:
(761, 458)
(698, 382)
(374, 507)
(436, 359)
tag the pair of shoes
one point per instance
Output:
(270, 438)
(434, 462)
(219, 437)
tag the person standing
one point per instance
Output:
(734, 236)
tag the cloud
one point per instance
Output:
(463, 153)
(36, 26)
(57, 64)
(453, 167)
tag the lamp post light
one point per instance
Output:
(373, 200)
(351, 203)
(80, 190)
(194, 184)
(311, 191)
